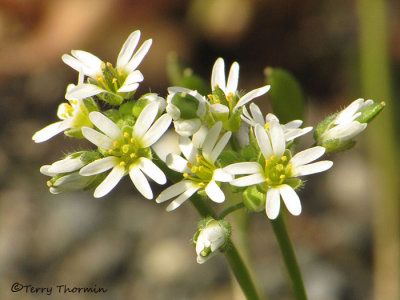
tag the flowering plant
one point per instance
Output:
(225, 148)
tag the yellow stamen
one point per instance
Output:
(201, 184)
(102, 66)
(268, 181)
(122, 164)
(132, 155)
(279, 167)
(133, 140)
(282, 176)
(201, 168)
(49, 184)
(110, 151)
(115, 144)
(109, 65)
(284, 158)
(198, 158)
(189, 165)
(114, 80)
(126, 135)
(186, 175)
(266, 126)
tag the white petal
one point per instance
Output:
(293, 124)
(151, 170)
(291, 199)
(49, 131)
(134, 77)
(89, 60)
(45, 171)
(187, 148)
(273, 203)
(271, 117)
(106, 125)
(66, 165)
(140, 182)
(277, 138)
(99, 166)
(291, 134)
(97, 138)
(313, 168)
(307, 156)
(177, 163)
(218, 74)
(187, 127)
(347, 115)
(126, 88)
(138, 56)
(145, 119)
(233, 78)
(257, 114)
(244, 168)
(128, 48)
(182, 198)
(211, 139)
(345, 131)
(263, 141)
(252, 94)
(109, 182)
(87, 68)
(220, 146)
(248, 180)
(157, 130)
(172, 191)
(214, 192)
(219, 108)
(199, 137)
(222, 176)
(82, 91)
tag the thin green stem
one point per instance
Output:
(289, 258)
(230, 209)
(241, 273)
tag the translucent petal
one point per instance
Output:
(277, 138)
(106, 125)
(177, 163)
(172, 191)
(109, 182)
(257, 114)
(199, 137)
(156, 130)
(252, 94)
(220, 146)
(222, 176)
(99, 166)
(187, 148)
(66, 165)
(128, 48)
(97, 138)
(313, 168)
(140, 182)
(233, 79)
(126, 88)
(138, 56)
(347, 115)
(182, 198)
(49, 131)
(263, 141)
(151, 170)
(218, 74)
(244, 168)
(214, 192)
(291, 199)
(307, 156)
(82, 91)
(145, 119)
(248, 180)
(273, 203)
(211, 139)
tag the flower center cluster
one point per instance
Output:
(112, 78)
(218, 97)
(201, 172)
(128, 149)
(277, 169)
(69, 109)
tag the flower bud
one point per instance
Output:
(337, 132)
(146, 99)
(253, 199)
(212, 236)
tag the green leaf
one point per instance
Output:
(286, 95)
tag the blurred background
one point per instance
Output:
(346, 239)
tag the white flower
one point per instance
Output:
(198, 167)
(65, 175)
(230, 87)
(187, 108)
(124, 78)
(73, 115)
(291, 130)
(344, 126)
(279, 171)
(209, 241)
(128, 150)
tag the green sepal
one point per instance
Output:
(90, 156)
(74, 132)
(369, 112)
(127, 108)
(219, 96)
(234, 122)
(111, 98)
(253, 199)
(113, 114)
(295, 183)
(90, 104)
(228, 157)
(323, 126)
(286, 95)
(249, 153)
(187, 105)
(336, 145)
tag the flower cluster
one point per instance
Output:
(223, 145)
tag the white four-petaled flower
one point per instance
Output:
(128, 150)
(198, 167)
(209, 241)
(279, 169)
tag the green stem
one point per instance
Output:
(289, 258)
(230, 209)
(241, 273)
